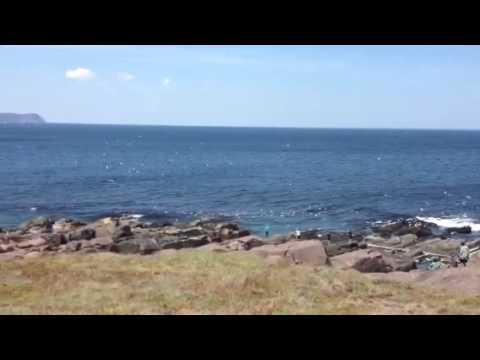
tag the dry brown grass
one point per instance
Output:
(195, 282)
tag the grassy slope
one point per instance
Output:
(194, 282)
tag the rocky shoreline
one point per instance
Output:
(402, 245)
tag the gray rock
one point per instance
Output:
(122, 232)
(82, 234)
(126, 247)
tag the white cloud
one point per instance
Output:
(166, 81)
(124, 76)
(79, 74)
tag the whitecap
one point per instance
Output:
(452, 222)
(33, 209)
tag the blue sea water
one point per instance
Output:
(287, 178)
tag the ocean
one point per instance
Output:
(286, 178)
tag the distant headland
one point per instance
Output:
(11, 118)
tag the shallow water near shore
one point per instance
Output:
(287, 178)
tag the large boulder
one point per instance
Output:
(372, 261)
(64, 225)
(36, 242)
(459, 230)
(299, 252)
(121, 232)
(37, 225)
(82, 234)
(173, 242)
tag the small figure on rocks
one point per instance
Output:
(267, 230)
(463, 254)
(297, 234)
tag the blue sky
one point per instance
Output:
(288, 86)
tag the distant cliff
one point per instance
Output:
(10, 118)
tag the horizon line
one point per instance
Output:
(268, 127)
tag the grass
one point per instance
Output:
(197, 282)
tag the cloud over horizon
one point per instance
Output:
(79, 74)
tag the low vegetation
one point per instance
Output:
(196, 282)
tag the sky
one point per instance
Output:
(436, 87)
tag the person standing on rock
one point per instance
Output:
(463, 254)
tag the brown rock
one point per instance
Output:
(82, 234)
(310, 252)
(32, 243)
(33, 254)
(73, 246)
(215, 247)
(372, 261)
(4, 248)
(276, 260)
(244, 243)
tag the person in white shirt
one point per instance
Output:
(463, 254)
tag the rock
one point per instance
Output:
(66, 225)
(148, 246)
(181, 243)
(226, 234)
(37, 225)
(459, 230)
(406, 226)
(299, 252)
(73, 246)
(244, 243)
(126, 247)
(4, 248)
(82, 234)
(310, 252)
(103, 243)
(121, 233)
(31, 243)
(230, 226)
(33, 254)
(372, 261)
(55, 240)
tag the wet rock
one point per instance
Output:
(82, 234)
(406, 226)
(459, 230)
(37, 225)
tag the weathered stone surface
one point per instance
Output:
(276, 260)
(148, 246)
(102, 242)
(82, 234)
(406, 226)
(215, 247)
(4, 248)
(181, 243)
(126, 247)
(32, 243)
(73, 246)
(37, 225)
(370, 261)
(310, 252)
(459, 230)
(55, 240)
(66, 225)
(243, 243)
(300, 252)
(122, 232)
